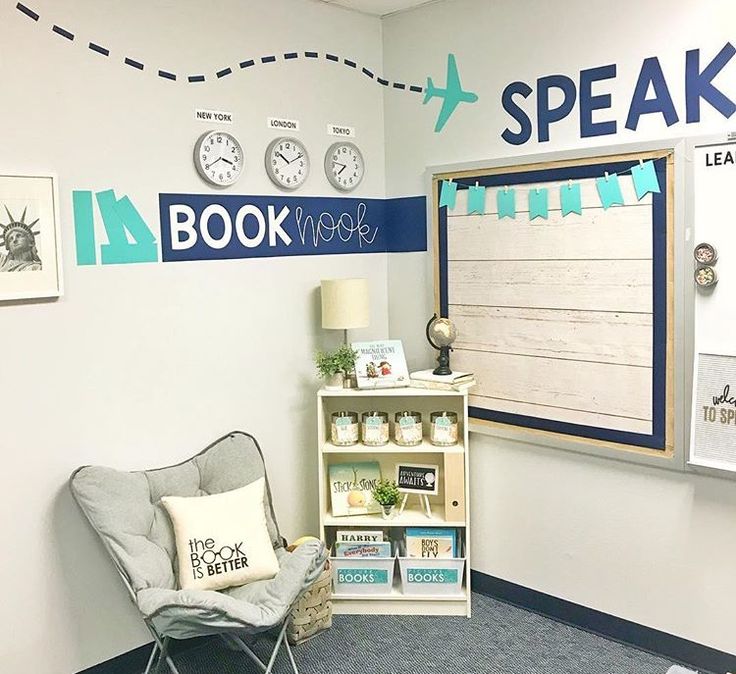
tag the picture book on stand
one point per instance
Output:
(381, 364)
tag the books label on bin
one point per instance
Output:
(434, 576)
(362, 576)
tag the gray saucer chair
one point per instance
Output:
(125, 510)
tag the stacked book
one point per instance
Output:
(354, 544)
(457, 381)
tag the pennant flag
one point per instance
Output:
(538, 203)
(570, 199)
(609, 190)
(645, 179)
(476, 199)
(506, 202)
(448, 194)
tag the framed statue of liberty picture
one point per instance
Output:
(30, 246)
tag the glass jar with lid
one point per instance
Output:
(443, 428)
(374, 428)
(408, 428)
(344, 428)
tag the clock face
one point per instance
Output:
(287, 163)
(344, 166)
(218, 157)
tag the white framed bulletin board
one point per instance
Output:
(713, 422)
(566, 318)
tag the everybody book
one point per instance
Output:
(382, 549)
(381, 364)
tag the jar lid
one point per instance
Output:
(345, 414)
(417, 416)
(452, 416)
(379, 415)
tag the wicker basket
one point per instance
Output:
(313, 612)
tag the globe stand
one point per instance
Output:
(444, 361)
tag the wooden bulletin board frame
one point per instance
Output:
(664, 442)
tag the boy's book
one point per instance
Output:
(351, 485)
(381, 364)
(356, 536)
(363, 549)
(435, 543)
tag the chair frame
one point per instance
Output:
(161, 643)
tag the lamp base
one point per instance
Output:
(443, 361)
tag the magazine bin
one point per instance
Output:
(362, 575)
(420, 575)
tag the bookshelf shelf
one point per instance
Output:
(448, 506)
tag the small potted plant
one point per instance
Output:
(386, 494)
(336, 367)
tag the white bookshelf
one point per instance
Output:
(392, 401)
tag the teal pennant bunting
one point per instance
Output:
(645, 179)
(570, 199)
(506, 202)
(476, 199)
(538, 203)
(609, 190)
(448, 194)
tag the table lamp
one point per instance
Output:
(345, 304)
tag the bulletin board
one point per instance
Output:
(565, 320)
(713, 426)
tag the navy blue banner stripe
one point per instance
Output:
(268, 59)
(224, 72)
(349, 63)
(281, 226)
(63, 32)
(399, 85)
(655, 440)
(28, 12)
(311, 54)
(98, 49)
(247, 64)
(166, 75)
(133, 64)
(331, 57)
(196, 78)
(367, 72)
(291, 55)
(416, 89)
(382, 81)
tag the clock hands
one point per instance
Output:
(337, 163)
(227, 161)
(214, 162)
(278, 154)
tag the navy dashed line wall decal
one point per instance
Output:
(167, 75)
(61, 31)
(98, 49)
(28, 12)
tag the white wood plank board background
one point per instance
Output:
(555, 316)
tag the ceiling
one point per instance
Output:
(379, 7)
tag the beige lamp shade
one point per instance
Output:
(345, 303)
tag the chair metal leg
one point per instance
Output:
(291, 655)
(282, 635)
(249, 652)
(154, 650)
(163, 646)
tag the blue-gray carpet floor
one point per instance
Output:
(498, 639)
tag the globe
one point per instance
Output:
(441, 332)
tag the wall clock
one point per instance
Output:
(287, 162)
(344, 165)
(218, 157)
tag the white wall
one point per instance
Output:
(650, 546)
(143, 365)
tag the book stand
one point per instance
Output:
(424, 500)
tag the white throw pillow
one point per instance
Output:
(222, 540)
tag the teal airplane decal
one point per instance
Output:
(452, 93)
